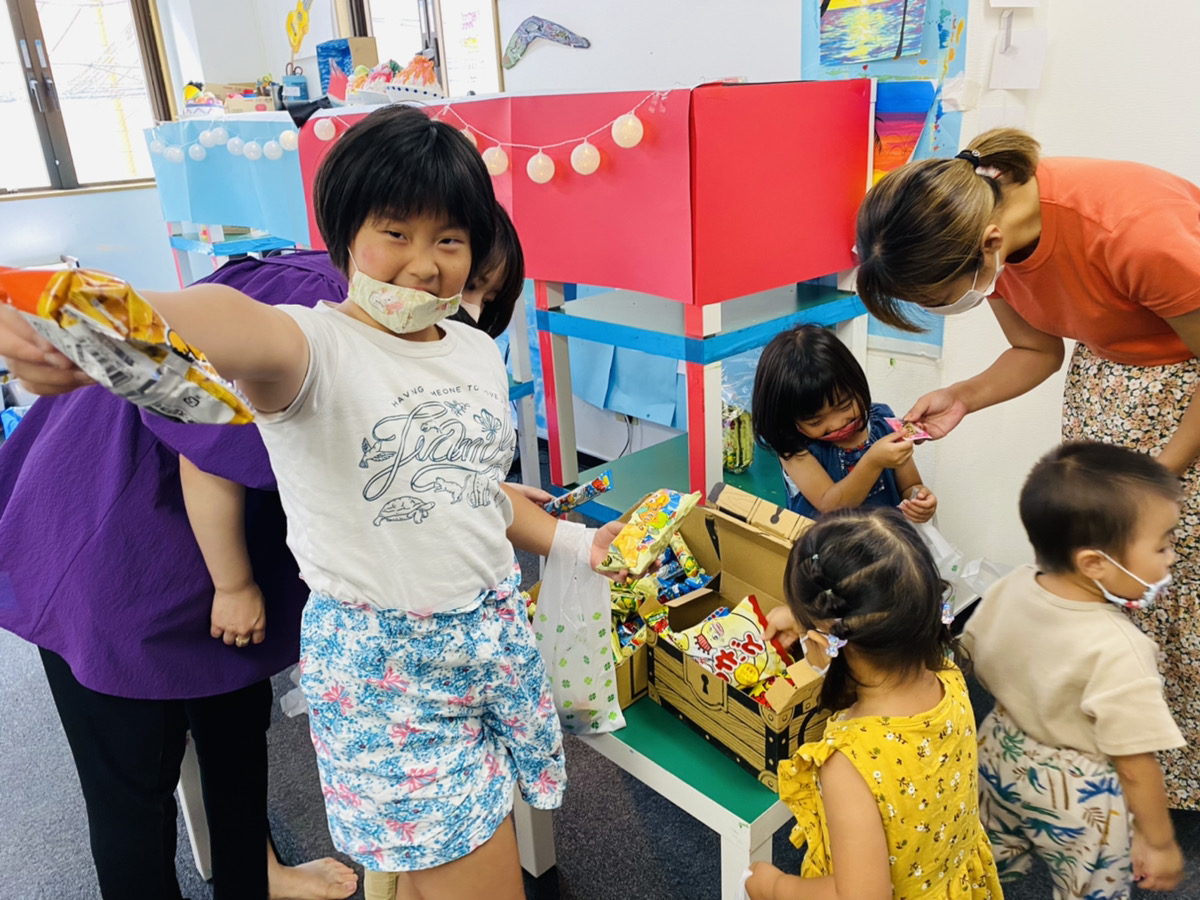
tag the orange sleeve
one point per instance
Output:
(1154, 257)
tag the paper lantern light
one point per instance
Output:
(585, 159)
(272, 150)
(219, 135)
(234, 145)
(627, 131)
(540, 168)
(174, 154)
(197, 152)
(206, 138)
(252, 150)
(470, 136)
(288, 140)
(496, 160)
(324, 129)
(157, 146)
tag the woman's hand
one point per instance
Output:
(32, 359)
(239, 616)
(920, 506)
(938, 412)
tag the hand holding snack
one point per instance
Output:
(558, 506)
(910, 430)
(601, 543)
(937, 412)
(782, 626)
(648, 532)
(33, 360)
(109, 330)
(891, 451)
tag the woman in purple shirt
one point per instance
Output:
(113, 590)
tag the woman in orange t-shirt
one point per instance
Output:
(1105, 253)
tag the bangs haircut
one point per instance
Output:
(507, 257)
(397, 163)
(1085, 495)
(868, 571)
(800, 371)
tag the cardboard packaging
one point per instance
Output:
(744, 541)
(631, 672)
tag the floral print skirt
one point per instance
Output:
(1140, 407)
(424, 724)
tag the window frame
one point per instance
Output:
(43, 92)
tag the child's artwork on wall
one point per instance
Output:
(536, 27)
(857, 31)
(902, 109)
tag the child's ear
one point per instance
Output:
(1090, 564)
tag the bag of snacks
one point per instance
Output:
(109, 330)
(648, 531)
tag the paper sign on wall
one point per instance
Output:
(1019, 67)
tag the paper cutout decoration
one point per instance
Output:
(901, 112)
(857, 31)
(297, 25)
(536, 27)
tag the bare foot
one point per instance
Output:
(321, 879)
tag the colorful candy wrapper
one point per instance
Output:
(737, 438)
(109, 330)
(580, 495)
(733, 647)
(628, 598)
(648, 531)
(682, 553)
(677, 589)
(910, 431)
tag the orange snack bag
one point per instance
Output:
(106, 328)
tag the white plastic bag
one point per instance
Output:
(571, 626)
(967, 579)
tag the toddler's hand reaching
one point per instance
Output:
(891, 451)
(782, 626)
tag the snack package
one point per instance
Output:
(109, 330)
(648, 531)
(690, 566)
(910, 431)
(628, 598)
(737, 438)
(580, 495)
(732, 646)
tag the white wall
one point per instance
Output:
(121, 232)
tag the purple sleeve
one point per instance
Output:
(236, 452)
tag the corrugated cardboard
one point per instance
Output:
(631, 671)
(744, 541)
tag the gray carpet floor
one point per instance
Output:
(615, 839)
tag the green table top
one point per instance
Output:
(660, 737)
(665, 465)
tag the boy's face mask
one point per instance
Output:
(1148, 596)
(399, 309)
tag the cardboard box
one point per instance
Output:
(631, 672)
(248, 104)
(744, 541)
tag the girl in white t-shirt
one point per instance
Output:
(389, 433)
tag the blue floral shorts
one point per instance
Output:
(423, 725)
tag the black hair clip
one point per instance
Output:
(971, 156)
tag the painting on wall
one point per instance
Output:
(902, 110)
(858, 31)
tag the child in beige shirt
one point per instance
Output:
(1067, 758)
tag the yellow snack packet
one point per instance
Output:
(108, 329)
(648, 531)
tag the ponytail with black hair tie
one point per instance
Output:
(974, 157)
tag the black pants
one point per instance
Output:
(128, 754)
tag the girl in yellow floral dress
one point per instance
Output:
(891, 792)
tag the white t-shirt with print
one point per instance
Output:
(389, 463)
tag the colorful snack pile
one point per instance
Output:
(580, 495)
(737, 438)
(109, 330)
(731, 645)
(648, 531)
(910, 431)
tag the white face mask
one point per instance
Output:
(971, 298)
(1148, 596)
(399, 309)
